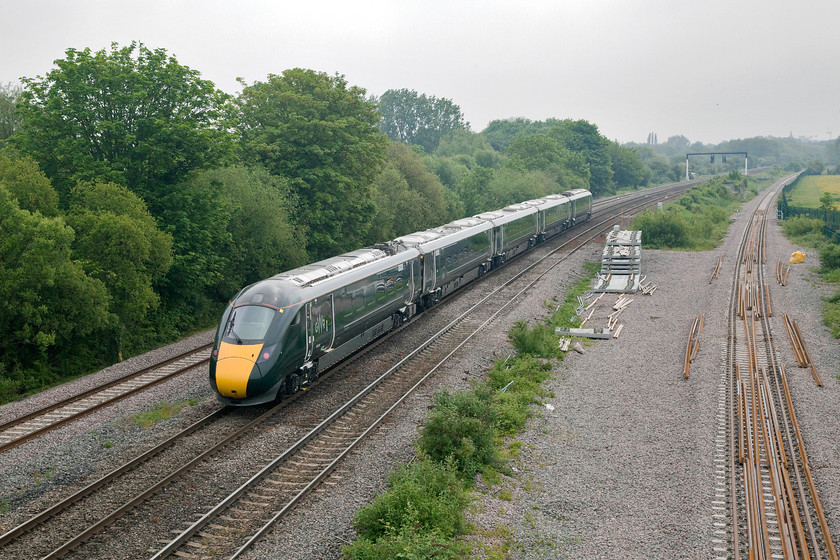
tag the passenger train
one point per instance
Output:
(278, 334)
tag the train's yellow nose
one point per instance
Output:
(233, 368)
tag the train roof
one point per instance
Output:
(435, 238)
(508, 213)
(575, 194)
(549, 201)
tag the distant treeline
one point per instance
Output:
(136, 197)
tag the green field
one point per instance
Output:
(809, 190)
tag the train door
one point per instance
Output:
(430, 271)
(310, 337)
(322, 321)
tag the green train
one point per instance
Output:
(278, 334)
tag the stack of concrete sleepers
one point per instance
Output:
(621, 262)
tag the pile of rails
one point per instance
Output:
(782, 272)
(803, 357)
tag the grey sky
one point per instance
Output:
(710, 70)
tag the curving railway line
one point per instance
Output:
(274, 483)
(766, 503)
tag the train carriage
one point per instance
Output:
(305, 320)
(452, 255)
(581, 204)
(515, 229)
(280, 333)
(554, 215)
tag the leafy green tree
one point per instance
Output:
(47, 302)
(28, 184)
(321, 134)
(815, 167)
(119, 243)
(409, 197)
(534, 151)
(628, 168)
(832, 152)
(583, 137)
(827, 201)
(473, 190)
(499, 133)
(131, 116)
(418, 119)
(509, 186)
(464, 142)
(263, 239)
(9, 119)
(195, 215)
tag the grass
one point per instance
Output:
(159, 412)
(809, 189)
(808, 232)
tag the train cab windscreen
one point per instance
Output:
(249, 322)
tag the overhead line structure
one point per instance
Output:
(712, 156)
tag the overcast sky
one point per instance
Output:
(710, 70)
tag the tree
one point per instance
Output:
(464, 142)
(25, 181)
(131, 116)
(679, 141)
(47, 302)
(262, 239)
(499, 133)
(119, 243)
(418, 119)
(409, 197)
(321, 134)
(628, 168)
(583, 137)
(827, 201)
(534, 151)
(9, 119)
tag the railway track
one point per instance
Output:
(766, 503)
(43, 420)
(76, 529)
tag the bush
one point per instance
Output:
(801, 225)
(424, 496)
(522, 378)
(407, 543)
(461, 428)
(538, 341)
(662, 230)
(830, 257)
